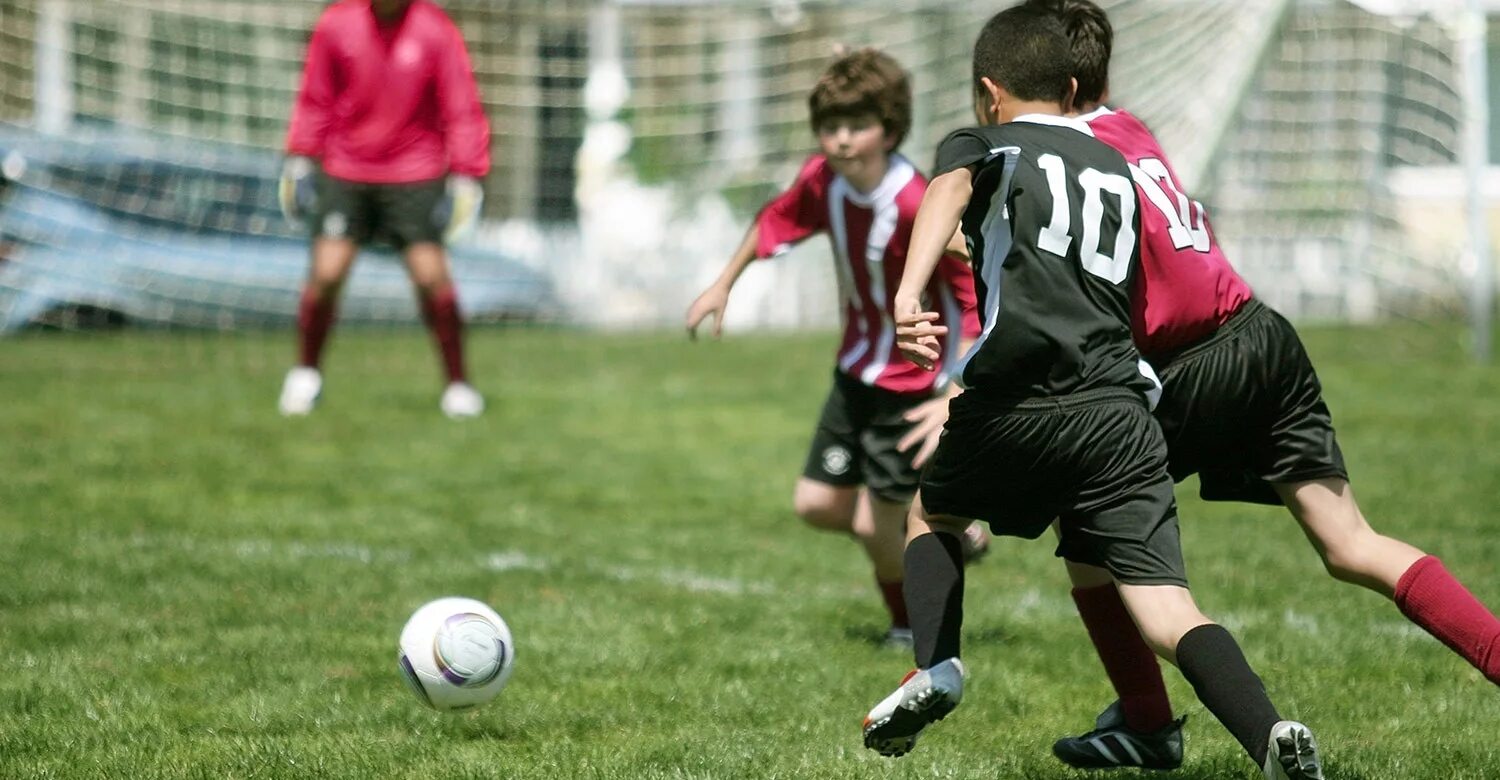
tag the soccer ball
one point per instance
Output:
(455, 653)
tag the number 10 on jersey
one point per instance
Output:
(1057, 237)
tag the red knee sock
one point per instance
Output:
(314, 319)
(895, 601)
(440, 310)
(1430, 597)
(1128, 661)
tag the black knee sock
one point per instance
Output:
(1211, 661)
(934, 592)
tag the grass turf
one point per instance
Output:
(191, 586)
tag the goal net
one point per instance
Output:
(634, 139)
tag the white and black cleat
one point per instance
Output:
(300, 391)
(1292, 753)
(1114, 745)
(925, 696)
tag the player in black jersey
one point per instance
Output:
(1055, 420)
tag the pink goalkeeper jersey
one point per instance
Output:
(870, 232)
(1186, 288)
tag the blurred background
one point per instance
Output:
(634, 139)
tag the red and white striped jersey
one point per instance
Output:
(870, 232)
(1186, 288)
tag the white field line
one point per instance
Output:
(1029, 602)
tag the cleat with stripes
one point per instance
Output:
(1293, 753)
(925, 696)
(1114, 745)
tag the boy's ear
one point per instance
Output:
(991, 96)
(1069, 100)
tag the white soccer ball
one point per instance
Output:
(456, 653)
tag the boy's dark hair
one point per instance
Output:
(1025, 51)
(1092, 40)
(864, 81)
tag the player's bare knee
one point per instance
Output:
(823, 508)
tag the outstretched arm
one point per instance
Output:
(716, 297)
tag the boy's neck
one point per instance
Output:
(864, 182)
(1023, 107)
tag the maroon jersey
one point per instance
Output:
(1186, 288)
(870, 232)
(389, 101)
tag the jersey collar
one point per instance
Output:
(1095, 114)
(1055, 121)
(898, 174)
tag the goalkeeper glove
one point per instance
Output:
(458, 211)
(297, 189)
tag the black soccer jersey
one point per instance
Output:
(1052, 229)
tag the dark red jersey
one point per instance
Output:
(1186, 288)
(389, 101)
(870, 232)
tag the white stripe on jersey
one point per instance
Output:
(953, 318)
(882, 228)
(837, 192)
(997, 241)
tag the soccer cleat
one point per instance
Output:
(1292, 753)
(925, 696)
(300, 391)
(976, 542)
(461, 400)
(1112, 744)
(899, 638)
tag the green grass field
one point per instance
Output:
(193, 587)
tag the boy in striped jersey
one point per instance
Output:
(883, 415)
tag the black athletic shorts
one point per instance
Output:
(855, 441)
(400, 214)
(1095, 460)
(1244, 408)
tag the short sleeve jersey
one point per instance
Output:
(1051, 227)
(870, 232)
(1186, 288)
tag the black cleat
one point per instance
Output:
(1114, 745)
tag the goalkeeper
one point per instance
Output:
(388, 140)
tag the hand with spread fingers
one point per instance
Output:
(917, 333)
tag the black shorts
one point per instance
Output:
(855, 441)
(400, 214)
(1244, 409)
(1094, 460)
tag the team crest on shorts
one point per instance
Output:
(335, 224)
(836, 460)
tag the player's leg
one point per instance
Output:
(427, 263)
(1420, 585)
(1137, 730)
(407, 214)
(875, 524)
(1214, 665)
(339, 225)
(934, 588)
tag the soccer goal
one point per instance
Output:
(635, 138)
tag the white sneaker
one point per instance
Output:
(461, 400)
(1292, 753)
(925, 696)
(300, 391)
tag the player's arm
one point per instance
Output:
(790, 217)
(937, 221)
(466, 137)
(927, 419)
(716, 297)
(312, 114)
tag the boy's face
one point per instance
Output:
(855, 144)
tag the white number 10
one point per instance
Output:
(1057, 237)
